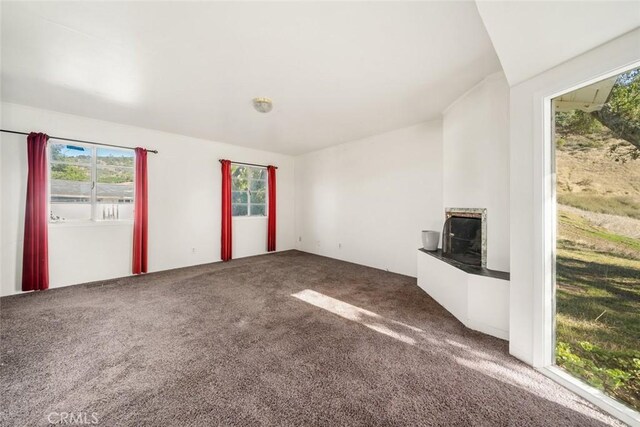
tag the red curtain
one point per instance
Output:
(35, 256)
(225, 236)
(271, 229)
(140, 228)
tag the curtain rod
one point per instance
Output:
(78, 140)
(247, 164)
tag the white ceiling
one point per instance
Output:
(533, 36)
(335, 71)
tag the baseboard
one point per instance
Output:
(375, 267)
(52, 288)
(487, 329)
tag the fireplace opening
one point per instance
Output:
(464, 236)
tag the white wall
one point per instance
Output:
(531, 179)
(475, 132)
(1, 186)
(184, 203)
(366, 201)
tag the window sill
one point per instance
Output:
(121, 223)
(245, 218)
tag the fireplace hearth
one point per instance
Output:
(464, 236)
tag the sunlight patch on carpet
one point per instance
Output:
(365, 317)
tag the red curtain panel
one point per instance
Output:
(140, 227)
(35, 256)
(271, 230)
(225, 236)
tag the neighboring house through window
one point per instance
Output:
(90, 183)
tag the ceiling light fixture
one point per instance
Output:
(262, 105)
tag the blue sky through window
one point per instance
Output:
(69, 150)
(114, 152)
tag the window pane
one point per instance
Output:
(70, 154)
(238, 171)
(114, 211)
(258, 196)
(67, 191)
(239, 210)
(239, 197)
(70, 182)
(258, 185)
(597, 282)
(114, 157)
(258, 173)
(115, 174)
(70, 178)
(240, 178)
(240, 184)
(115, 185)
(70, 211)
(115, 193)
(69, 172)
(257, 210)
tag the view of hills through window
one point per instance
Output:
(597, 150)
(91, 182)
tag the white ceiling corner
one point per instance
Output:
(534, 36)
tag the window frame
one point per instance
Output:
(93, 196)
(249, 191)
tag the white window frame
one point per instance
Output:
(266, 194)
(93, 198)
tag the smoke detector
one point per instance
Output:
(262, 105)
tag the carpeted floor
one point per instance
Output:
(283, 339)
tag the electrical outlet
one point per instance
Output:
(339, 245)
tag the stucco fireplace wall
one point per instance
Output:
(475, 131)
(476, 175)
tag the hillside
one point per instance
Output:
(598, 264)
(590, 178)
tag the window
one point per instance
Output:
(90, 183)
(596, 164)
(249, 191)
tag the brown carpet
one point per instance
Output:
(228, 344)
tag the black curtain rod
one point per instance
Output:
(78, 140)
(248, 164)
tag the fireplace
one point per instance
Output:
(464, 236)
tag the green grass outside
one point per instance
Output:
(598, 307)
(615, 205)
